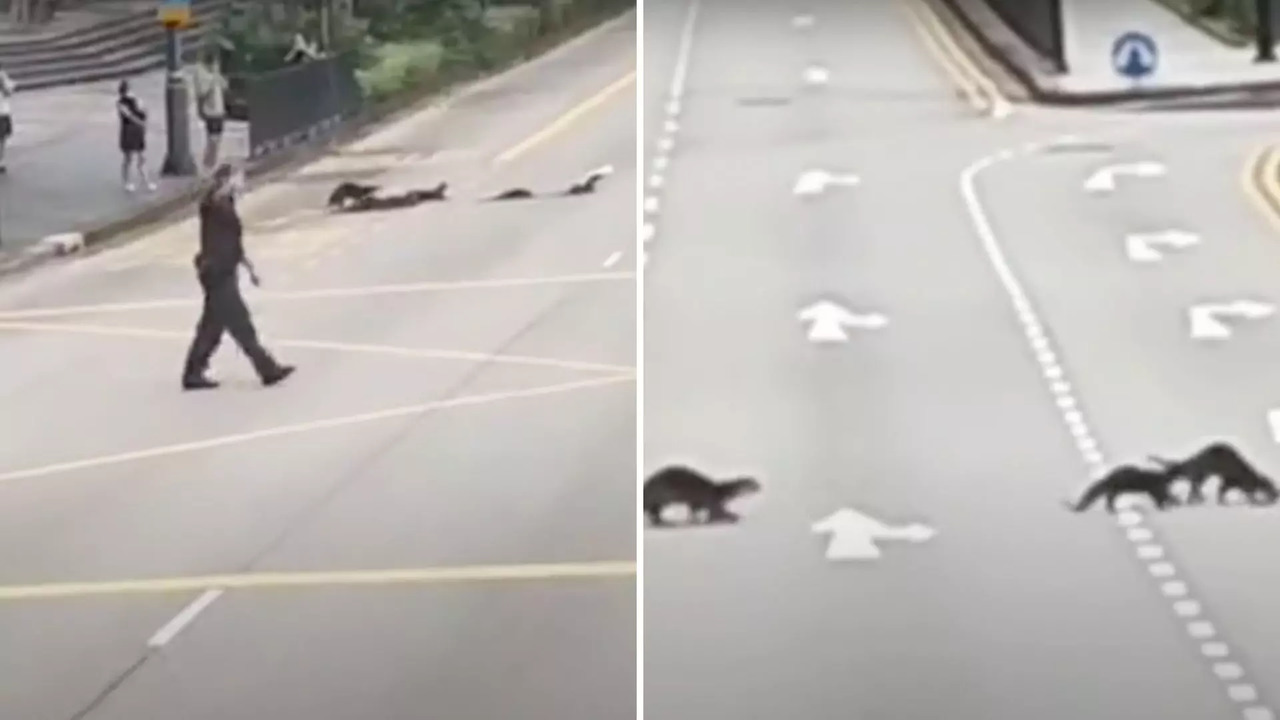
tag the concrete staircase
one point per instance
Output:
(107, 47)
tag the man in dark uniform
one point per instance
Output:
(217, 266)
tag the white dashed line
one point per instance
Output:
(612, 259)
(670, 127)
(171, 629)
(1153, 556)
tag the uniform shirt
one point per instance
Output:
(221, 246)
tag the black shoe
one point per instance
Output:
(198, 383)
(277, 376)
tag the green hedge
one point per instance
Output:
(459, 51)
(1234, 21)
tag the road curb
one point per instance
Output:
(179, 204)
(1031, 71)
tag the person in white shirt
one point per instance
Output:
(210, 89)
(7, 88)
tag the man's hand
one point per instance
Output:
(253, 273)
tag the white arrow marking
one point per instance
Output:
(816, 75)
(1141, 247)
(1273, 419)
(854, 534)
(1207, 320)
(829, 321)
(815, 182)
(1104, 179)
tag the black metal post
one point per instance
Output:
(177, 159)
(1058, 33)
(1265, 32)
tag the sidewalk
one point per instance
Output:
(1190, 61)
(64, 160)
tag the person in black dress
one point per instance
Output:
(217, 267)
(133, 137)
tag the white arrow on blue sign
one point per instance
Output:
(1134, 55)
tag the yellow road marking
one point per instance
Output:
(1261, 182)
(324, 293)
(340, 578)
(425, 353)
(558, 125)
(303, 427)
(981, 90)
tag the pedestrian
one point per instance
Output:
(210, 89)
(7, 88)
(217, 267)
(133, 138)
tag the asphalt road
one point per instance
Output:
(1016, 608)
(465, 399)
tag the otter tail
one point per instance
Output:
(1086, 500)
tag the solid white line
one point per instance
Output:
(612, 259)
(171, 629)
(681, 74)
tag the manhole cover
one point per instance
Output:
(764, 101)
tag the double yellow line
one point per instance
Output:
(1261, 181)
(979, 90)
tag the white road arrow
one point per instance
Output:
(1104, 179)
(816, 182)
(1141, 247)
(829, 321)
(854, 534)
(1207, 320)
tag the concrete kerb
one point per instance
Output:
(1031, 70)
(178, 205)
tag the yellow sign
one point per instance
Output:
(175, 14)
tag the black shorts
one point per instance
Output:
(133, 139)
(6, 127)
(213, 125)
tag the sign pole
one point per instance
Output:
(175, 15)
(1265, 32)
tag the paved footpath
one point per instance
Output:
(1023, 349)
(1187, 56)
(64, 159)
(434, 518)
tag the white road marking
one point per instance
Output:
(670, 128)
(1185, 607)
(612, 259)
(1103, 180)
(802, 22)
(171, 629)
(816, 75)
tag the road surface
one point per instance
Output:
(1023, 347)
(433, 518)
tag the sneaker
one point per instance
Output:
(129, 187)
(278, 375)
(151, 187)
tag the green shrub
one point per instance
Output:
(398, 67)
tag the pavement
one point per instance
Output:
(64, 160)
(433, 517)
(1189, 62)
(1024, 353)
